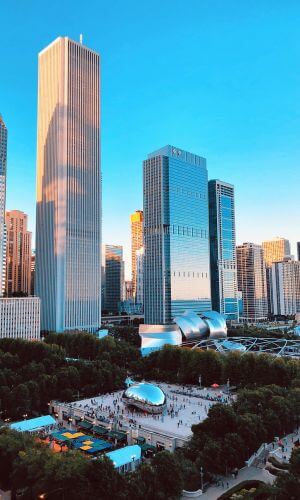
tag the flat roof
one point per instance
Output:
(125, 455)
(33, 424)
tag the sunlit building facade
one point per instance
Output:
(251, 273)
(276, 250)
(3, 166)
(223, 249)
(140, 262)
(136, 223)
(18, 254)
(68, 228)
(20, 318)
(176, 236)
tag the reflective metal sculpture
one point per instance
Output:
(154, 337)
(191, 325)
(146, 397)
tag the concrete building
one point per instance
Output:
(136, 223)
(176, 237)
(251, 275)
(68, 228)
(3, 167)
(298, 250)
(223, 272)
(20, 318)
(285, 288)
(18, 254)
(113, 275)
(32, 267)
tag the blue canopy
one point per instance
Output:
(125, 455)
(33, 424)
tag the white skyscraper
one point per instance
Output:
(68, 230)
(3, 163)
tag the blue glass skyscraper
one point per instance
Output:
(176, 236)
(223, 270)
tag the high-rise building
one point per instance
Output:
(18, 254)
(68, 229)
(113, 269)
(3, 166)
(223, 273)
(20, 318)
(140, 258)
(285, 288)
(136, 221)
(128, 290)
(276, 250)
(251, 273)
(176, 271)
(298, 250)
(32, 267)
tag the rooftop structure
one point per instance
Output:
(126, 458)
(34, 424)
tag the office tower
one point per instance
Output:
(298, 250)
(128, 290)
(136, 221)
(68, 229)
(176, 273)
(18, 254)
(3, 165)
(20, 318)
(113, 276)
(32, 267)
(285, 288)
(222, 249)
(251, 273)
(140, 258)
(275, 250)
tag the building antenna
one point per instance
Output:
(80, 38)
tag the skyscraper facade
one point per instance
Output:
(140, 258)
(3, 166)
(68, 228)
(136, 222)
(298, 250)
(113, 274)
(251, 273)
(223, 249)
(276, 250)
(285, 288)
(18, 254)
(176, 237)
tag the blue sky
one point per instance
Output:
(218, 78)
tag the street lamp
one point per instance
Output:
(201, 476)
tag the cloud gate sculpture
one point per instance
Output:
(187, 327)
(146, 397)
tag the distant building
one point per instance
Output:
(176, 237)
(68, 222)
(113, 274)
(3, 166)
(251, 274)
(275, 250)
(285, 288)
(128, 290)
(298, 250)
(20, 318)
(32, 272)
(140, 260)
(136, 221)
(18, 254)
(223, 272)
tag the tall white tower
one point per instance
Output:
(68, 229)
(3, 164)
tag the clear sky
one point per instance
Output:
(218, 78)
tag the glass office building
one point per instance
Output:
(3, 161)
(112, 277)
(176, 236)
(222, 249)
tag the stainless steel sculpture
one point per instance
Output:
(188, 327)
(146, 397)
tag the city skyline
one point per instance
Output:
(227, 103)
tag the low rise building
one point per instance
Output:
(20, 318)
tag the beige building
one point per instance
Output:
(285, 288)
(18, 254)
(136, 222)
(20, 318)
(68, 227)
(251, 273)
(275, 250)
